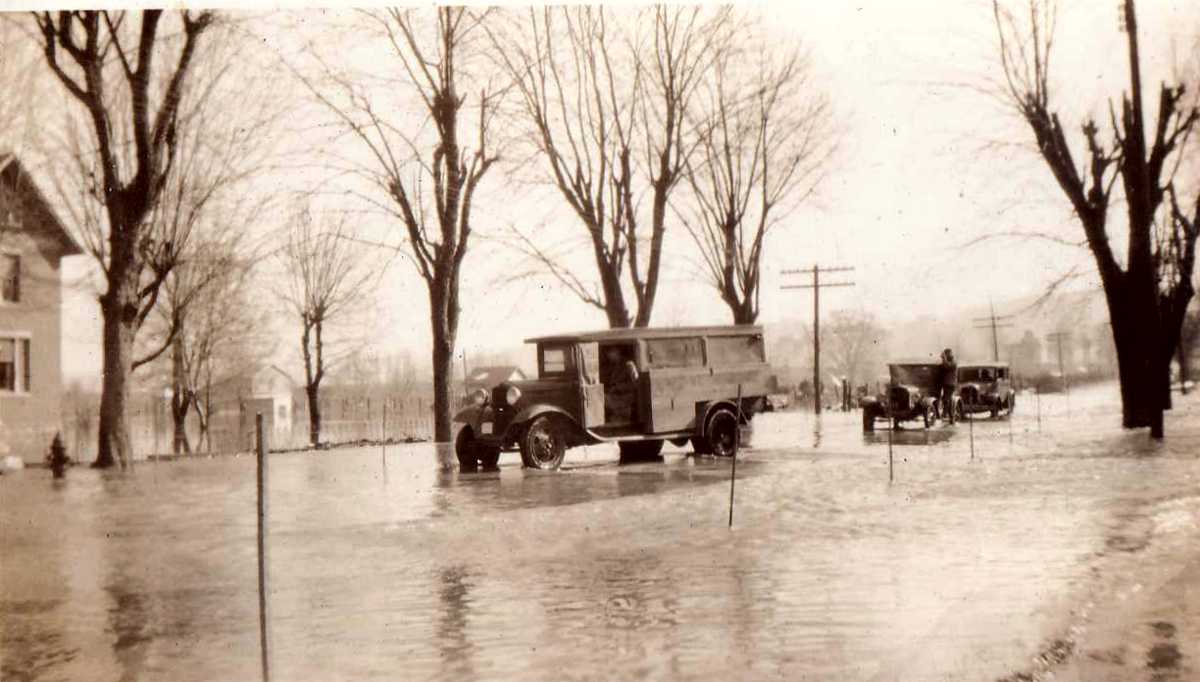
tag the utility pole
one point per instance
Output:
(816, 285)
(994, 322)
(1057, 337)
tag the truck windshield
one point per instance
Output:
(918, 375)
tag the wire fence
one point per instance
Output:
(346, 418)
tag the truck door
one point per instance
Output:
(591, 391)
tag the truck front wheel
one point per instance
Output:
(544, 444)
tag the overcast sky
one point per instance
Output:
(927, 163)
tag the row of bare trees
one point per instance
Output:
(624, 113)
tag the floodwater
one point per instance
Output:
(397, 566)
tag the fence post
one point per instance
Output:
(263, 619)
(737, 437)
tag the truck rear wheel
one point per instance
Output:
(721, 433)
(544, 443)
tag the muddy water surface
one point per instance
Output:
(397, 567)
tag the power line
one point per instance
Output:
(816, 285)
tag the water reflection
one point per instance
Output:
(909, 437)
(454, 597)
(599, 570)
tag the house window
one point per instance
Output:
(10, 277)
(15, 374)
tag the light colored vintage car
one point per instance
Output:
(986, 387)
(635, 387)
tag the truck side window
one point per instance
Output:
(734, 350)
(685, 352)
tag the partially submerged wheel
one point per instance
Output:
(868, 417)
(931, 415)
(472, 454)
(640, 450)
(544, 443)
(489, 457)
(721, 432)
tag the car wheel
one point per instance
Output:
(640, 450)
(722, 432)
(465, 449)
(489, 458)
(868, 418)
(543, 444)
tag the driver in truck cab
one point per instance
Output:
(619, 377)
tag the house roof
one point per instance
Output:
(9, 163)
(634, 333)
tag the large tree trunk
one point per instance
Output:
(180, 398)
(443, 312)
(1143, 362)
(443, 369)
(314, 414)
(114, 446)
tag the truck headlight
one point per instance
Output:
(512, 395)
(479, 396)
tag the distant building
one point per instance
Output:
(1025, 356)
(33, 243)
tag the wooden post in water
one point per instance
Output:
(263, 619)
(971, 430)
(737, 437)
(891, 472)
(1038, 391)
(383, 438)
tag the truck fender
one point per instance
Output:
(537, 410)
(471, 415)
(705, 410)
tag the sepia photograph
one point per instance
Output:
(757, 340)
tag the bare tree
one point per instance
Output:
(854, 342)
(326, 278)
(1148, 293)
(429, 181)
(606, 106)
(225, 337)
(764, 143)
(108, 67)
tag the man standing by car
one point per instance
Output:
(949, 383)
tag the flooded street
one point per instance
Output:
(1007, 563)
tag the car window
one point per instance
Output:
(733, 350)
(682, 352)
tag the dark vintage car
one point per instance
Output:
(635, 387)
(986, 387)
(911, 392)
